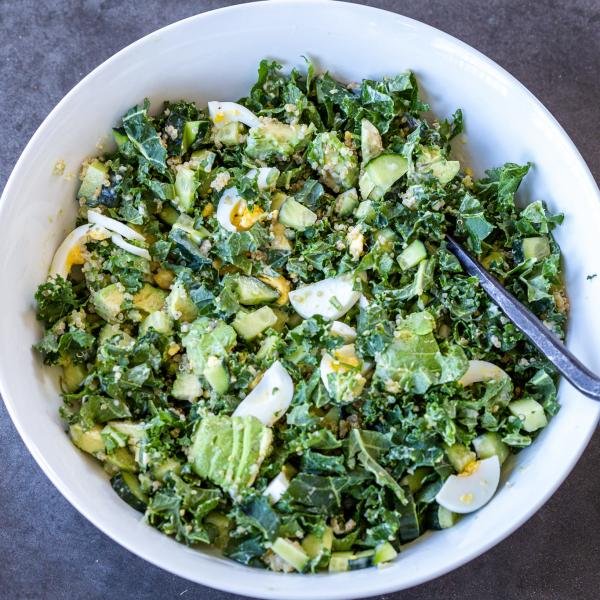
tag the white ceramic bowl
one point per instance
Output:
(214, 56)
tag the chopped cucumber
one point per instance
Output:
(203, 160)
(291, 553)
(216, 375)
(89, 441)
(251, 324)
(268, 348)
(251, 291)
(380, 174)
(128, 488)
(365, 211)
(384, 553)
(168, 214)
(530, 412)
(361, 560)
(350, 561)
(491, 444)
(186, 184)
(186, 223)
(94, 178)
(414, 481)
(346, 202)
(295, 215)
(410, 526)
(231, 134)
(190, 133)
(535, 247)
(439, 517)
(412, 255)
(459, 456)
(121, 459)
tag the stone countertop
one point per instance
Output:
(47, 549)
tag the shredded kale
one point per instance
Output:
(324, 181)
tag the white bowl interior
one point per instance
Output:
(214, 56)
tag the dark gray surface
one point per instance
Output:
(47, 550)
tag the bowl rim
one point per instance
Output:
(233, 585)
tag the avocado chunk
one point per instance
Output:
(208, 338)
(93, 180)
(159, 321)
(73, 376)
(186, 387)
(295, 215)
(186, 184)
(459, 456)
(431, 160)
(111, 331)
(229, 450)
(149, 299)
(335, 162)
(370, 141)
(251, 324)
(107, 301)
(180, 306)
(208, 344)
(274, 140)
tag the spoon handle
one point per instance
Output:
(539, 335)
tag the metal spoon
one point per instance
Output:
(539, 335)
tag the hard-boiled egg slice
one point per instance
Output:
(113, 225)
(473, 488)
(277, 487)
(233, 214)
(347, 333)
(71, 251)
(482, 371)
(331, 298)
(269, 400)
(227, 208)
(343, 360)
(118, 240)
(222, 113)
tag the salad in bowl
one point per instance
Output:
(264, 339)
